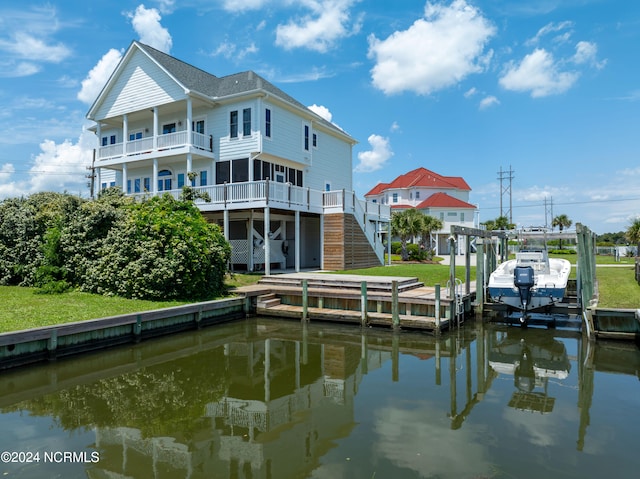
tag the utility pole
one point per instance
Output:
(503, 176)
(548, 211)
(92, 175)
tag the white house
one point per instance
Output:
(443, 197)
(279, 176)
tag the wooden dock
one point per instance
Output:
(388, 301)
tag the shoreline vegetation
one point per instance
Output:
(25, 308)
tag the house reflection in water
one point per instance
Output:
(285, 405)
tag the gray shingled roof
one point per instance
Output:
(210, 85)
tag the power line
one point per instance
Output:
(568, 203)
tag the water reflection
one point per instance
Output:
(272, 399)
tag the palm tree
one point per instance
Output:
(500, 223)
(561, 221)
(429, 225)
(633, 234)
(406, 225)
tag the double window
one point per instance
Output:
(234, 125)
(267, 123)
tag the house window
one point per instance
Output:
(417, 195)
(306, 137)
(147, 184)
(104, 141)
(180, 180)
(374, 201)
(395, 197)
(267, 123)
(136, 185)
(223, 172)
(462, 216)
(128, 187)
(280, 172)
(113, 139)
(410, 195)
(135, 136)
(327, 186)
(112, 184)
(198, 126)
(441, 216)
(203, 178)
(164, 180)
(168, 128)
(315, 140)
(450, 213)
(246, 122)
(104, 186)
(240, 170)
(233, 124)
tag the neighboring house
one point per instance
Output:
(443, 197)
(278, 175)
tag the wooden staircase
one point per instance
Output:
(345, 244)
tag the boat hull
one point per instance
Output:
(540, 297)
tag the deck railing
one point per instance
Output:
(178, 139)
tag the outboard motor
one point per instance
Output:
(524, 280)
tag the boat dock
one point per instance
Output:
(388, 301)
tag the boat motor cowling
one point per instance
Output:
(524, 280)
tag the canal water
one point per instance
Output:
(262, 399)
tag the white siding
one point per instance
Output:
(228, 148)
(141, 85)
(286, 135)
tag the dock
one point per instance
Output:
(387, 301)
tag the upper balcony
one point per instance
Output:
(169, 144)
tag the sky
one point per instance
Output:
(543, 93)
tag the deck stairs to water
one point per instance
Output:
(339, 298)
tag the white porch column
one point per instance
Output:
(225, 224)
(155, 128)
(154, 186)
(297, 241)
(267, 242)
(125, 134)
(190, 168)
(124, 178)
(250, 266)
(189, 120)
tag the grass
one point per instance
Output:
(24, 308)
(618, 288)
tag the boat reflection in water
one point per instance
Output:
(267, 399)
(532, 358)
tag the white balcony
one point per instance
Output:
(162, 145)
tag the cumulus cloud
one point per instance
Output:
(328, 22)
(375, 158)
(230, 51)
(488, 101)
(58, 167)
(93, 84)
(146, 23)
(436, 52)
(587, 53)
(323, 111)
(539, 74)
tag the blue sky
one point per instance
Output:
(547, 88)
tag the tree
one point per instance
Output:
(429, 225)
(633, 234)
(406, 225)
(500, 223)
(561, 221)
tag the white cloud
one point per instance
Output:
(587, 53)
(323, 111)
(489, 101)
(16, 70)
(395, 127)
(146, 23)
(436, 52)
(470, 92)
(239, 6)
(58, 167)
(94, 82)
(538, 73)
(375, 158)
(230, 51)
(553, 28)
(328, 22)
(28, 47)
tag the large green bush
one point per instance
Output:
(161, 249)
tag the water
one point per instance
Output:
(273, 399)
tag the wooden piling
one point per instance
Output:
(395, 309)
(363, 302)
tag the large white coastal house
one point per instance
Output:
(279, 176)
(443, 197)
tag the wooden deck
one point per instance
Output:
(340, 298)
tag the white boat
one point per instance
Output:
(532, 281)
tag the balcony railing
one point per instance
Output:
(169, 141)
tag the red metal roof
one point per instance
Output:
(421, 177)
(443, 200)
